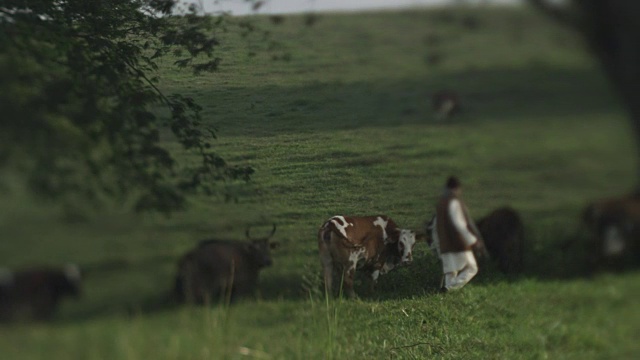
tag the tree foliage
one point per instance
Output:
(81, 111)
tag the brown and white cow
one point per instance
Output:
(375, 242)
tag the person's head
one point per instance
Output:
(453, 185)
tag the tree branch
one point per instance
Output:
(559, 13)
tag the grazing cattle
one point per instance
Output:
(503, 234)
(445, 104)
(33, 294)
(374, 241)
(615, 226)
(218, 269)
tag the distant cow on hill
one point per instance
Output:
(33, 294)
(374, 241)
(218, 269)
(503, 233)
(615, 226)
(446, 104)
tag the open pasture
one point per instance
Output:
(343, 125)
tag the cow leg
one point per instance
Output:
(326, 260)
(347, 282)
(191, 284)
(349, 274)
(374, 280)
(327, 272)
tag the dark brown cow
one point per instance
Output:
(33, 294)
(374, 241)
(218, 269)
(503, 234)
(615, 226)
(445, 104)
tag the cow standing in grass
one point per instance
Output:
(375, 242)
(614, 224)
(34, 294)
(222, 270)
(503, 234)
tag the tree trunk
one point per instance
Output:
(612, 30)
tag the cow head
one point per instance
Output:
(402, 251)
(615, 223)
(406, 242)
(70, 284)
(260, 249)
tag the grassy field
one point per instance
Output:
(344, 125)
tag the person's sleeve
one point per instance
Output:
(460, 223)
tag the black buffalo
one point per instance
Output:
(222, 270)
(503, 234)
(33, 294)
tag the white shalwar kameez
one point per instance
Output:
(458, 267)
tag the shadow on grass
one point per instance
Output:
(122, 264)
(129, 300)
(148, 305)
(283, 287)
(488, 94)
(122, 288)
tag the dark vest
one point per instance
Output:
(450, 239)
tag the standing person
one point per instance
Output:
(456, 236)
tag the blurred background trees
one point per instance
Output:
(82, 116)
(612, 31)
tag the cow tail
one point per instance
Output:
(325, 233)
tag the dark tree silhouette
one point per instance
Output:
(81, 111)
(612, 31)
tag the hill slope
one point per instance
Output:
(343, 125)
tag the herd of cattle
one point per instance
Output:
(218, 269)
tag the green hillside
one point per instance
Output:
(341, 123)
